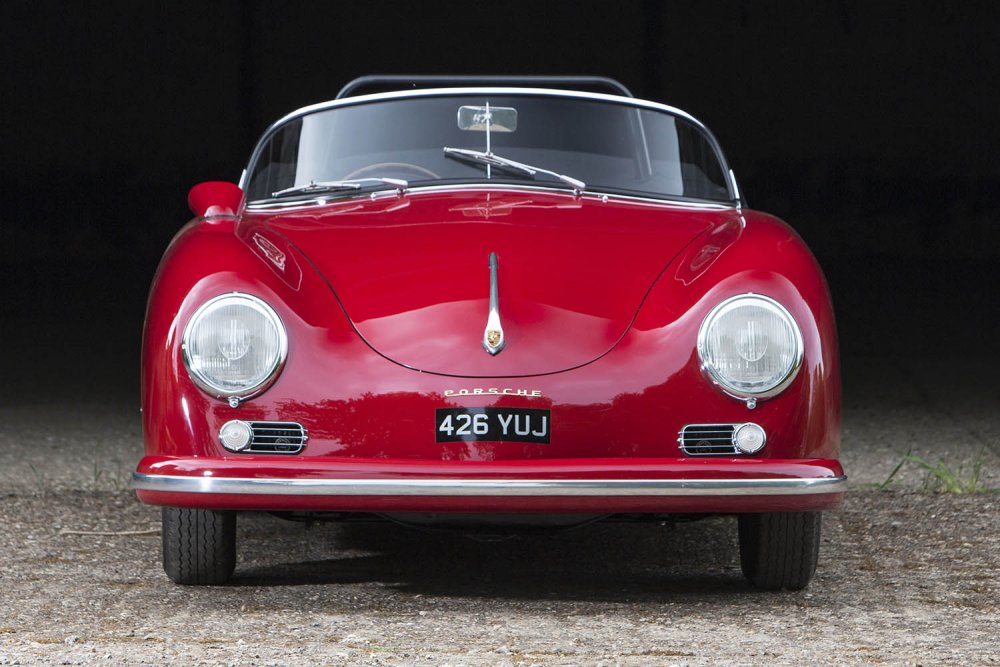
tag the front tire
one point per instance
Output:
(779, 549)
(199, 546)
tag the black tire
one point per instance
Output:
(779, 549)
(199, 546)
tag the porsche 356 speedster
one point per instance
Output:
(489, 302)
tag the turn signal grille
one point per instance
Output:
(708, 439)
(277, 438)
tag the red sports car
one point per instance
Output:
(489, 302)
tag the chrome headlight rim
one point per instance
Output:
(204, 383)
(713, 374)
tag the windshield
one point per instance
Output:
(610, 147)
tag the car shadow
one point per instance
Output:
(598, 562)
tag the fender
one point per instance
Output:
(763, 255)
(205, 259)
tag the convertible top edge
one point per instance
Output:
(390, 82)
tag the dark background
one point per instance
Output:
(872, 128)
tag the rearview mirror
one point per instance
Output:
(215, 198)
(493, 119)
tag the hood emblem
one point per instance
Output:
(493, 340)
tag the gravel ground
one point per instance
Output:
(905, 576)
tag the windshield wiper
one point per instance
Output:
(494, 160)
(333, 186)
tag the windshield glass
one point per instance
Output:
(611, 147)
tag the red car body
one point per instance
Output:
(384, 295)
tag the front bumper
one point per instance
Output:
(609, 486)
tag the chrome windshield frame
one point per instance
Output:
(731, 185)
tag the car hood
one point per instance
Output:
(412, 272)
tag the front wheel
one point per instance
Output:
(779, 549)
(199, 546)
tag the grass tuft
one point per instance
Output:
(940, 477)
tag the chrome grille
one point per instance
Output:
(708, 439)
(277, 438)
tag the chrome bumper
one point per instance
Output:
(489, 487)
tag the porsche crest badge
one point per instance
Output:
(493, 337)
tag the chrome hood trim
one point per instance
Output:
(493, 340)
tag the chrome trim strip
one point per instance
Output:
(595, 195)
(489, 487)
(736, 189)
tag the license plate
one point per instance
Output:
(495, 424)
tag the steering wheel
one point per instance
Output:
(378, 167)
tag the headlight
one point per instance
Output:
(750, 345)
(234, 345)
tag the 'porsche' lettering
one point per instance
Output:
(494, 391)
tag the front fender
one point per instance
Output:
(205, 259)
(761, 254)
